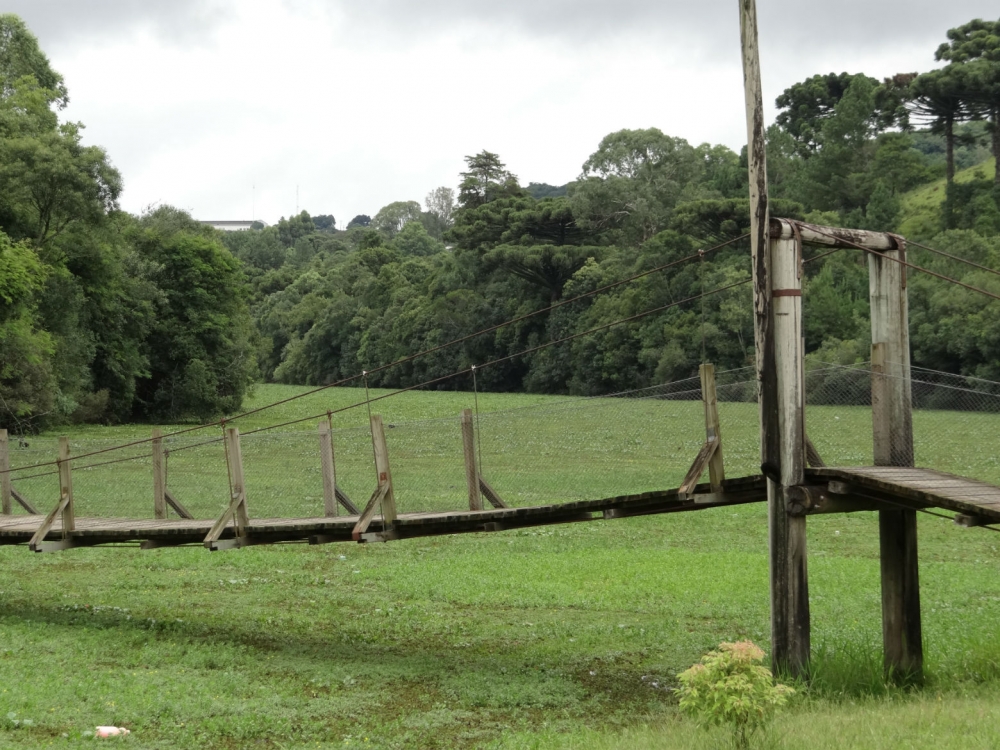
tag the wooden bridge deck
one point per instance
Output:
(977, 503)
(173, 532)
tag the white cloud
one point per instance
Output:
(363, 103)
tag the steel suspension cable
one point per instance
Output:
(967, 262)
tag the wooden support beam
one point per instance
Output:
(37, 539)
(471, 469)
(491, 494)
(892, 423)
(236, 511)
(66, 488)
(5, 486)
(24, 502)
(814, 234)
(713, 430)
(790, 625)
(174, 503)
(698, 466)
(382, 470)
(813, 458)
(348, 504)
(368, 514)
(159, 477)
(329, 469)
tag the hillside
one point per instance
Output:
(920, 215)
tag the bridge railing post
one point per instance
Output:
(5, 483)
(159, 477)
(892, 422)
(471, 466)
(382, 471)
(713, 430)
(329, 468)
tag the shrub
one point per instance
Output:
(730, 687)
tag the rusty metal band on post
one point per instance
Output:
(786, 292)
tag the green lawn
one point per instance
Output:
(567, 636)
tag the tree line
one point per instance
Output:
(106, 316)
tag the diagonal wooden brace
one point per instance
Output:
(233, 512)
(491, 494)
(686, 490)
(24, 502)
(369, 512)
(35, 545)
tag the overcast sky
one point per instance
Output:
(353, 104)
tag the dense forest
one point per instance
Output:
(107, 317)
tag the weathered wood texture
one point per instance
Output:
(5, 484)
(491, 494)
(701, 462)
(382, 470)
(236, 510)
(814, 234)
(892, 422)
(471, 468)
(790, 636)
(713, 429)
(328, 468)
(760, 237)
(66, 485)
(159, 477)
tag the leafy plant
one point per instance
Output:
(730, 687)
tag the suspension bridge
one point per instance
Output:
(780, 466)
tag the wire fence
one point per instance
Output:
(558, 450)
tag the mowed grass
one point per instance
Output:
(564, 636)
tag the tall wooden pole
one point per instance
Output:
(471, 470)
(779, 398)
(159, 476)
(893, 446)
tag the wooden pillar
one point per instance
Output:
(777, 337)
(789, 574)
(241, 518)
(892, 423)
(382, 470)
(5, 483)
(329, 468)
(716, 467)
(159, 477)
(66, 486)
(471, 470)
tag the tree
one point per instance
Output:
(413, 240)
(546, 266)
(201, 355)
(630, 185)
(392, 218)
(977, 44)
(361, 220)
(487, 179)
(21, 56)
(941, 98)
(441, 202)
(325, 222)
(294, 227)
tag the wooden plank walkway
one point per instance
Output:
(914, 488)
(154, 533)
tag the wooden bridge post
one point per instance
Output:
(159, 477)
(777, 335)
(5, 483)
(329, 468)
(241, 517)
(66, 487)
(471, 469)
(790, 626)
(382, 471)
(892, 422)
(716, 466)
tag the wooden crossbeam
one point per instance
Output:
(344, 500)
(813, 458)
(701, 461)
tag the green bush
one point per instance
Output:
(730, 687)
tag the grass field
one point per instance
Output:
(557, 637)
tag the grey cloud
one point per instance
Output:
(72, 23)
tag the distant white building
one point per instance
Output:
(234, 226)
